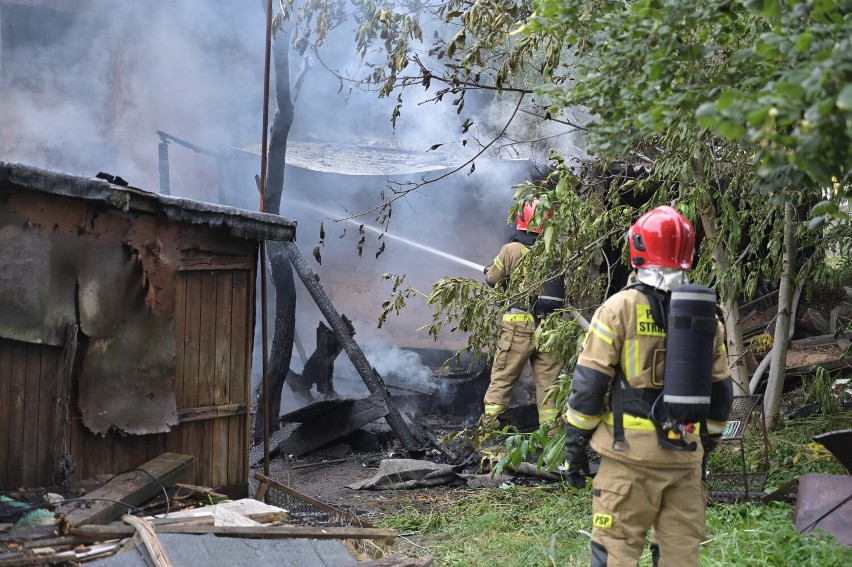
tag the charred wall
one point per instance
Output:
(160, 317)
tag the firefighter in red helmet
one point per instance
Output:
(516, 345)
(651, 393)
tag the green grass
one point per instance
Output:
(752, 535)
(541, 526)
(528, 527)
(506, 527)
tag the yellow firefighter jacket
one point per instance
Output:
(624, 342)
(506, 262)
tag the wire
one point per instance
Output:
(17, 507)
(155, 479)
(86, 499)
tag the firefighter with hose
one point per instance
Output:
(516, 345)
(651, 393)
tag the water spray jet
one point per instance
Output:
(458, 260)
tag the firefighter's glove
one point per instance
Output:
(576, 468)
(485, 269)
(576, 460)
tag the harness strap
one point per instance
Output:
(619, 443)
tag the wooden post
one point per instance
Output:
(362, 365)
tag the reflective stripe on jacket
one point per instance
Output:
(506, 262)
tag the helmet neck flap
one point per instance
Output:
(665, 279)
(526, 238)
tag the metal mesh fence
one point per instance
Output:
(739, 467)
(303, 510)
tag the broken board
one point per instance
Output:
(325, 421)
(129, 489)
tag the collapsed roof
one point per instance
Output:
(364, 159)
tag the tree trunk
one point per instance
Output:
(778, 364)
(359, 361)
(282, 272)
(730, 305)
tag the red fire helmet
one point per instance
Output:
(526, 215)
(662, 238)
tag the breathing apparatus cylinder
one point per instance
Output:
(551, 297)
(690, 338)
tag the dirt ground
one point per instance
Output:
(326, 473)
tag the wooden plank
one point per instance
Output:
(5, 411)
(173, 438)
(116, 531)
(29, 464)
(828, 365)
(211, 412)
(141, 448)
(215, 262)
(240, 375)
(48, 426)
(16, 417)
(156, 445)
(153, 546)
(134, 488)
(206, 369)
(222, 375)
(122, 451)
(101, 452)
(821, 340)
(189, 440)
(93, 454)
(77, 432)
(65, 364)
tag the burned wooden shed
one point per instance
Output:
(126, 328)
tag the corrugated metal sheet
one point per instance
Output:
(351, 159)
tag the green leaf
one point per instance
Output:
(791, 90)
(816, 223)
(731, 130)
(548, 235)
(758, 117)
(824, 208)
(844, 99)
(804, 42)
(707, 115)
(727, 98)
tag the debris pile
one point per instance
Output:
(145, 516)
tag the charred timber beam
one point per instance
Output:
(62, 416)
(125, 491)
(318, 432)
(166, 138)
(359, 361)
(115, 531)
